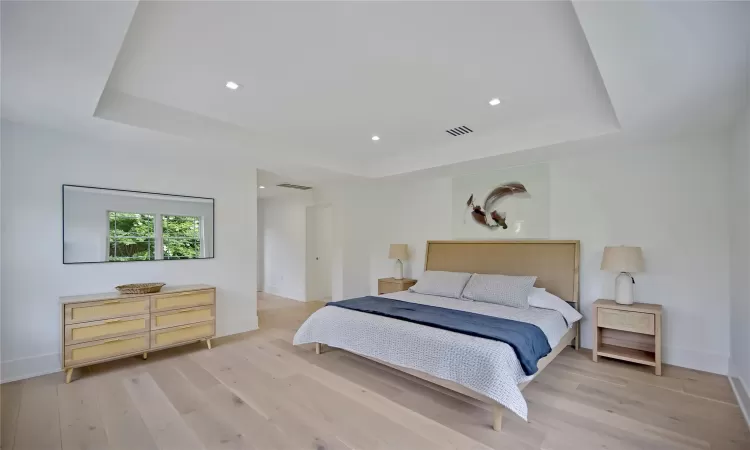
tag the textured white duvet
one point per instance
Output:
(487, 367)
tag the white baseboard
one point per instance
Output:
(296, 296)
(689, 359)
(740, 391)
(236, 326)
(33, 366)
(743, 398)
(693, 359)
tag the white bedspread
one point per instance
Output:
(487, 367)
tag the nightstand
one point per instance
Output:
(628, 332)
(388, 285)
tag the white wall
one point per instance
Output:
(35, 164)
(669, 198)
(283, 227)
(740, 259)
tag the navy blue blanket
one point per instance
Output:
(527, 340)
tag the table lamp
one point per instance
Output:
(399, 252)
(626, 261)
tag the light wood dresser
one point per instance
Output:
(390, 285)
(628, 332)
(103, 327)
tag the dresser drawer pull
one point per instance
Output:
(113, 321)
(110, 302)
(184, 326)
(181, 310)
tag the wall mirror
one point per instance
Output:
(112, 225)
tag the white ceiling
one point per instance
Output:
(670, 67)
(326, 76)
(56, 59)
(320, 78)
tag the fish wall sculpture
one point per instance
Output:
(495, 219)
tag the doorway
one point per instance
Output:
(319, 252)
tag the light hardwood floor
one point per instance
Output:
(257, 391)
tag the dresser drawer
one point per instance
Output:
(181, 300)
(635, 322)
(83, 354)
(184, 333)
(182, 317)
(104, 329)
(105, 309)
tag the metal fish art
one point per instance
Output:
(496, 220)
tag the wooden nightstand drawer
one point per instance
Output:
(104, 329)
(635, 322)
(390, 285)
(387, 288)
(181, 300)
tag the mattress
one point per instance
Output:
(487, 367)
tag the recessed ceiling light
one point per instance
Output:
(232, 85)
(262, 187)
(495, 101)
(376, 138)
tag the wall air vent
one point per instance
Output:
(294, 186)
(458, 131)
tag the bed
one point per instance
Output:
(484, 369)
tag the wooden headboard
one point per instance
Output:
(555, 263)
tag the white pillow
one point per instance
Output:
(444, 284)
(500, 289)
(540, 298)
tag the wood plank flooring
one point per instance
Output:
(258, 391)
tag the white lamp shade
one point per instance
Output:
(622, 259)
(399, 251)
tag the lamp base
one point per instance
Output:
(398, 273)
(624, 289)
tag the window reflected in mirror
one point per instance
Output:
(182, 237)
(107, 225)
(131, 236)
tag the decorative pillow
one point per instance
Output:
(500, 289)
(444, 284)
(540, 298)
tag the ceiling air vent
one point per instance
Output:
(294, 186)
(458, 131)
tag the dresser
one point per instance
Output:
(389, 285)
(103, 327)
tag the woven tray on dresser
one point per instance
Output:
(140, 288)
